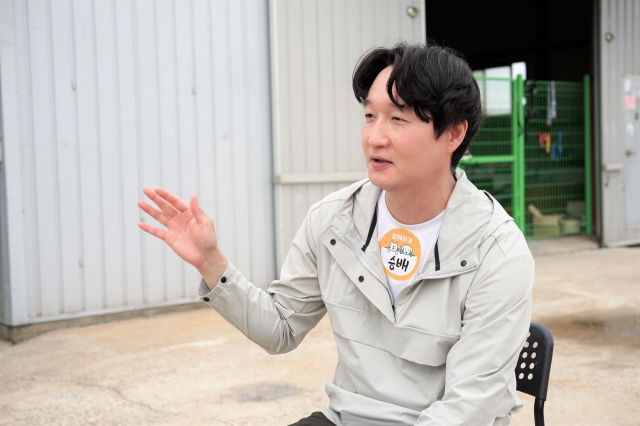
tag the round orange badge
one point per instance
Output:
(400, 251)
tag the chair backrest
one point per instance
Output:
(534, 363)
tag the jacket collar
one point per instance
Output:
(470, 216)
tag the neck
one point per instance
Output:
(418, 204)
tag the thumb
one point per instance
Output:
(196, 210)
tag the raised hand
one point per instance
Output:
(190, 232)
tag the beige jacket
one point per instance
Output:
(444, 355)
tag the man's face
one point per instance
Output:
(400, 150)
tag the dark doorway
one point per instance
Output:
(552, 38)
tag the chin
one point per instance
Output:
(380, 180)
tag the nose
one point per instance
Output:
(378, 136)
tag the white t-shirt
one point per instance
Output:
(404, 248)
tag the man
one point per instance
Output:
(426, 279)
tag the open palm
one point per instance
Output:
(190, 232)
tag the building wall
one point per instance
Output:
(315, 45)
(619, 57)
(5, 308)
(101, 98)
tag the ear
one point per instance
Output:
(456, 135)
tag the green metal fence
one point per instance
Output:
(556, 149)
(535, 167)
(496, 164)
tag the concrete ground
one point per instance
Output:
(193, 368)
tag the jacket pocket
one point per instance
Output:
(411, 344)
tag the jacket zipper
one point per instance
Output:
(364, 259)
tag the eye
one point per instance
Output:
(368, 116)
(397, 119)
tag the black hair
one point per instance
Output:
(435, 81)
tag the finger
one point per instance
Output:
(196, 210)
(154, 213)
(175, 201)
(159, 233)
(159, 201)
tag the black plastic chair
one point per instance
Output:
(534, 366)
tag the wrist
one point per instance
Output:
(213, 267)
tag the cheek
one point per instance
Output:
(421, 151)
(420, 147)
(364, 136)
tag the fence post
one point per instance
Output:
(521, 150)
(587, 154)
(517, 144)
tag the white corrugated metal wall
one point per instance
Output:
(102, 97)
(619, 57)
(315, 45)
(5, 308)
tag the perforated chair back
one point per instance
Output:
(534, 366)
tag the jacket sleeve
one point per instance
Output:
(495, 322)
(279, 318)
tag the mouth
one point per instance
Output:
(379, 162)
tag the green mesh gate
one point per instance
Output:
(496, 161)
(556, 149)
(532, 158)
